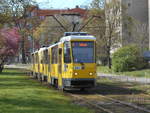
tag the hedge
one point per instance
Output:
(128, 58)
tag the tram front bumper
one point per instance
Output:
(79, 83)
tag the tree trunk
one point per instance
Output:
(109, 62)
(1, 68)
(23, 51)
(2, 65)
(108, 51)
(108, 58)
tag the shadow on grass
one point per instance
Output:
(18, 82)
(18, 85)
(111, 89)
(12, 71)
(27, 102)
(35, 105)
(108, 89)
(16, 79)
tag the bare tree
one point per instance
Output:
(50, 30)
(5, 17)
(113, 15)
(20, 16)
(97, 27)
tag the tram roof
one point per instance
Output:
(77, 37)
(54, 45)
(43, 48)
(34, 52)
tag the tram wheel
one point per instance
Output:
(82, 89)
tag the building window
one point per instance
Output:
(129, 4)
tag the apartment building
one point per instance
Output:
(139, 11)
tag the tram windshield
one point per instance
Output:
(83, 52)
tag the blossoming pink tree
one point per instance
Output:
(9, 43)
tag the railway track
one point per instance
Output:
(127, 104)
(99, 109)
(104, 104)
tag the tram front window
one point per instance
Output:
(67, 57)
(83, 52)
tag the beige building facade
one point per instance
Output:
(139, 11)
(149, 20)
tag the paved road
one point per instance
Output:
(125, 78)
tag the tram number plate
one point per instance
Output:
(77, 67)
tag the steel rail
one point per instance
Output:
(92, 104)
(126, 103)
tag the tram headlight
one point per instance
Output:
(75, 73)
(90, 73)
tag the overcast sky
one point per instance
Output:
(60, 4)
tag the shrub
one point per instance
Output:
(128, 58)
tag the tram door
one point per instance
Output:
(60, 66)
(60, 61)
(38, 62)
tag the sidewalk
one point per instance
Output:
(18, 66)
(124, 78)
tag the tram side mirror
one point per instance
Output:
(60, 50)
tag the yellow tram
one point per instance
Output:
(70, 63)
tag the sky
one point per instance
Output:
(61, 4)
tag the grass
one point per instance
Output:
(20, 94)
(138, 73)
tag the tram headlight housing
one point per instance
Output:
(91, 74)
(75, 73)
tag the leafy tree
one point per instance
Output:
(9, 43)
(97, 27)
(50, 31)
(128, 58)
(19, 13)
(5, 16)
(113, 11)
(98, 4)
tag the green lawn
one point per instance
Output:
(21, 94)
(138, 73)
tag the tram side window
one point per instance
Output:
(46, 56)
(49, 66)
(41, 61)
(32, 59)
(67, 57)
(54, 55)
(36, 58)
